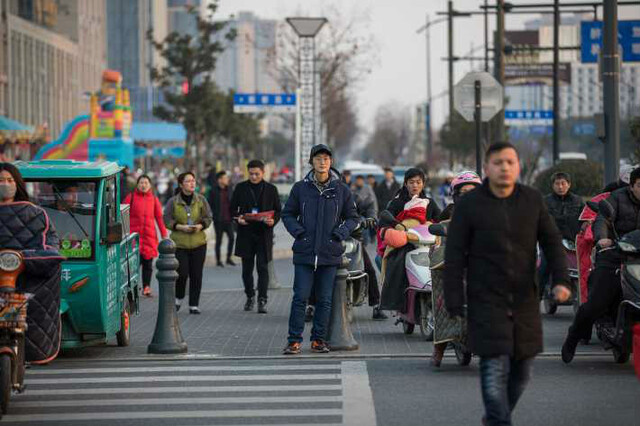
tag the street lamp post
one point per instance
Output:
(307, 29)
(610, 82)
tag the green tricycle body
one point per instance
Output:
(100, 283)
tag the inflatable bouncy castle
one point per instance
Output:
(103, 134)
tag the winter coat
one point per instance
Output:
(396, 205)
(319, 220)
(145, 212)
(497, 251)
(176, 212)
(385, 194)
(626, 218)
(245, 201)
(215, 202)
(366, 202)
(566, 211)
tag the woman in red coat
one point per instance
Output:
(146, 211)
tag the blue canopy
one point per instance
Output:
(158, 132)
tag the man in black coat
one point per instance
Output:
(220, 202)
(492, 243)
(255, 237)
(606, 293)
(387, 189)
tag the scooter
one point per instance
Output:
(626, 335)
(418, 306)
(357, 279)
(549, 302)
(13, 326)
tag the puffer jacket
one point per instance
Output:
(145, 212)
(366, 202)
(626, 215)
(319, 220)
(566, 211)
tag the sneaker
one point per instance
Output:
(262, 306)
(231, 262)
(146, 291)
(251, 301)
(319, 347)
(194, 310)
(178, 303)
(308, 314)
(293, 348)
(378, 315)
(220, 264)
(569, 348)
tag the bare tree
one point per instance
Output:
(391, 136)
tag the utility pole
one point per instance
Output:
(499, 62)
(556, 86)
(451, 59)
(428, 106)
(611, 84)
(486, 35)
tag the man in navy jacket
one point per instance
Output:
(320, 213)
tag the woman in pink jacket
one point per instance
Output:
(146, 211)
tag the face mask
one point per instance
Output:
(7, 192)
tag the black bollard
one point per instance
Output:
(167, 338)
(339, 334)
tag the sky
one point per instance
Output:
(400, 72)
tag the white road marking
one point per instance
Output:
(169, 368)
(210, 378)
(358, 399)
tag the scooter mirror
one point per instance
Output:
(593, 206)
(438, 229)
(387, 219)
(606, 209)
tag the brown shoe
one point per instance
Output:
(293, 348)
(438, 354)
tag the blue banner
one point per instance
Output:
(628, 40)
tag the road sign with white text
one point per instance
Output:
(528, 117)
(264, 102)
(628, 40)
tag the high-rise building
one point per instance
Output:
(180, 19)
(130, 51)
(51, 52)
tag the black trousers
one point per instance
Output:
(374, 290)
(191, 263)
(222, 228)
(605, 295)
(257, 258)
(147, 271)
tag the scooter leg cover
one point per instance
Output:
(636, 349)
(584, 246)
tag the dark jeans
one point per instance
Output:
(147, 271)
(374, 291)
(502, 380)
(259, 259)
(222, 228)
(322, 281)
(191, 263)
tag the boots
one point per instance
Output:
(438, 354)
(262, 306)
(251, 301)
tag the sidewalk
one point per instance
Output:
(281, 245)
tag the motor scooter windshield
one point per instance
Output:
(630, 243)
(423, 234)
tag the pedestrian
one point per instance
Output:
(145, 212)
(386, 190)
(492, 243)
(220, 202)
(371, 181)
(367, 204)
(320, 213)
(346, 177)
(256, 207)
(188, 214)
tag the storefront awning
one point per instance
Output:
(158, 132)
(13, 130)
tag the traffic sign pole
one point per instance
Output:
(610, 84)
(298, 142)
(478, 118)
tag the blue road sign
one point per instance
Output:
(628, 39)
(264, 102)
(528, 117)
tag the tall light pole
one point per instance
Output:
(428, 131)
(498, 69)
(556, 83)
(307, 29)
(611, 85)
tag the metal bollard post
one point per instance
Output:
(339, 334)
(273, 280)
(167, 337)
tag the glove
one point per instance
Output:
(370, 223)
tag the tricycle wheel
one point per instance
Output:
(20, 363)
(463, 356)
(123, 336)
(620, 356)
(5, 382)
(408, 327)
(426, 319)
(550, 306)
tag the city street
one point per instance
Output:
(234, 374)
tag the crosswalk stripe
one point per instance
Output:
(181, 389)
(132, 415)
(209, 378)
(169, 368)
(176, 401)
